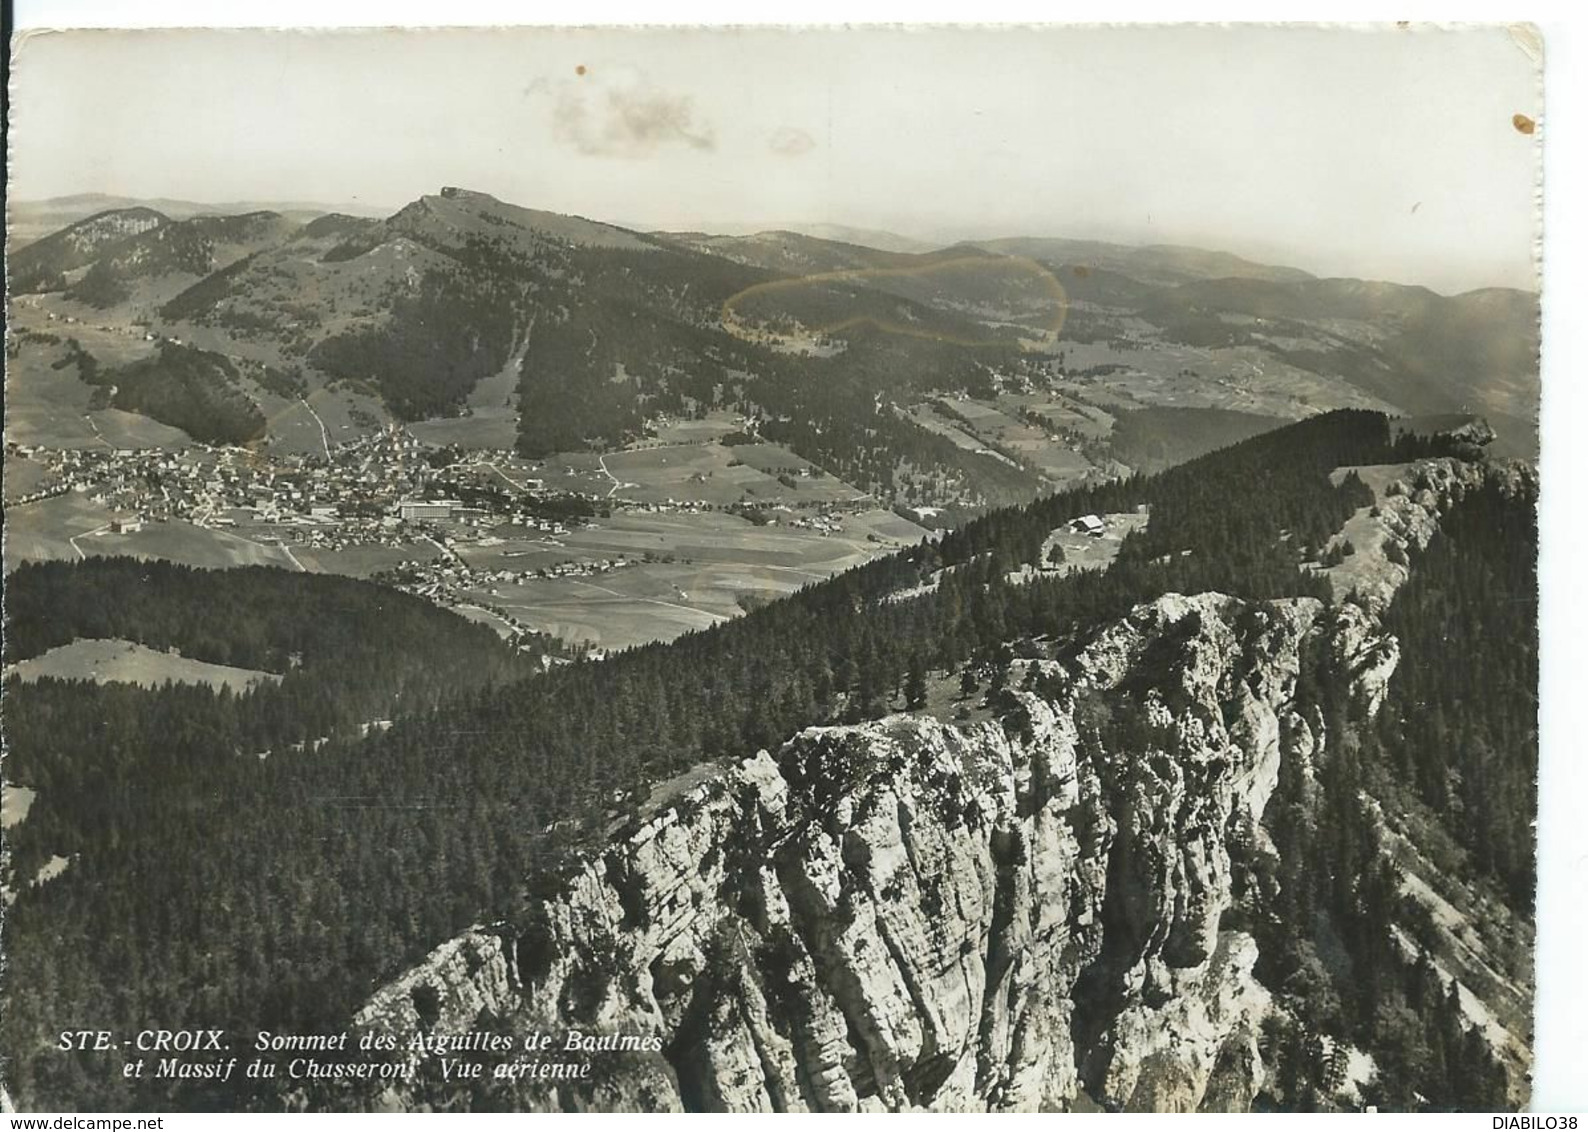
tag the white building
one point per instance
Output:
(428, 508)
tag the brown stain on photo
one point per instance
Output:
(1523, 124)
(579, 70)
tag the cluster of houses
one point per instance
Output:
(451, 581)
(826, 523)
(374, 491)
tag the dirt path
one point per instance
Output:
(511, 628)
(617, 484)
(93, 424)
(325, 437)
(86, 534)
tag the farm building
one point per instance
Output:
(1087, 525)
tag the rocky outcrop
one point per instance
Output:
(910, 913)
(1410, 499)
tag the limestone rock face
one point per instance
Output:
(909, 913)
(458, 981)
(1408, 513)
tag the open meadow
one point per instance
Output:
(178, 541)
(46, 529)
(107, 661)
(681, 571)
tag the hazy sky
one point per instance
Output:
(1383, 153)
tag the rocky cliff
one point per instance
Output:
(1025, 912)
(1409, 500)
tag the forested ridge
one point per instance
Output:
(1466, 620)
(1155, 438)
(1460, 725)
(334, 867)
(195, 390)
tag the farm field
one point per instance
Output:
(569, 471)
(687, 473)
(1087, 420)
(986, 428)
(125, 662)
(363, 561)
(178, 541)
(610, 611)
(119, 429)
(42, 531)
(490, 418)
(931, 419)
(291, 427)
(774, 458)
(712, 473)
(44, 405)
(48, 409)
(1242, 378)
(324, 417)
(715, 560)
(479, 430)
(996, 428)
(49, 406)
(714, 426)
(23, 476)
(724, 538)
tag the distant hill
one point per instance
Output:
(44, 265)
(139, 256)
(30, 220)
(1422, 351)
(1158, 264)
(419, 305)
(838, 233)
(789, 252)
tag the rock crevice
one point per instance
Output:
(909, 913)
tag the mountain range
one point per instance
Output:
(406, 314)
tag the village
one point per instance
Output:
(475, 531)
(379, 490)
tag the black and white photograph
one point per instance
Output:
(772, 569)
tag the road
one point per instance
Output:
(509, 480)
(616, 483)
(283, 547)
(87, 534)
(446, 551)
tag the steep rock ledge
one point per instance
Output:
(1410, 500)
(912, 914)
